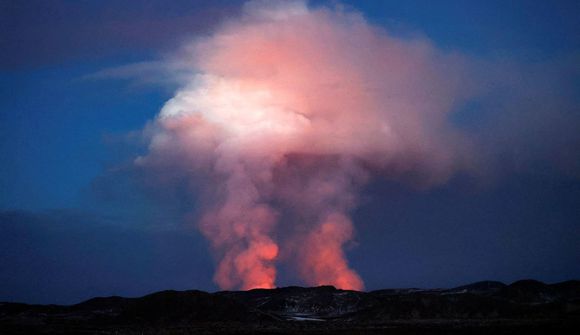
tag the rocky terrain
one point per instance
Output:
(525, 306)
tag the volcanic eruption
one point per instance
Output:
(284, 115)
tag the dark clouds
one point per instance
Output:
(36, 33)
(66, 256)
(526, 117)
(524, 227)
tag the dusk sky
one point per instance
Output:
(432, 144)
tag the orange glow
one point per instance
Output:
(290, 111)
(324, 262)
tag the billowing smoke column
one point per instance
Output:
(285, 114)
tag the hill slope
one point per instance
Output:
(479, 306)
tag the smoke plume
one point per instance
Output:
(284, 115)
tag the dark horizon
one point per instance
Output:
(402, 290)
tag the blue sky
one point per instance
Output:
(61, 133)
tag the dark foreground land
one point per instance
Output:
(524, 307)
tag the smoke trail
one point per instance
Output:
(285, 115)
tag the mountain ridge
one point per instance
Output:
(324, 307)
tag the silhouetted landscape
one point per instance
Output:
(525, 306)
(386, 150)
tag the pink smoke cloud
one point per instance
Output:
(290, 111)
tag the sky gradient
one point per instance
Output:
(76, 221)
